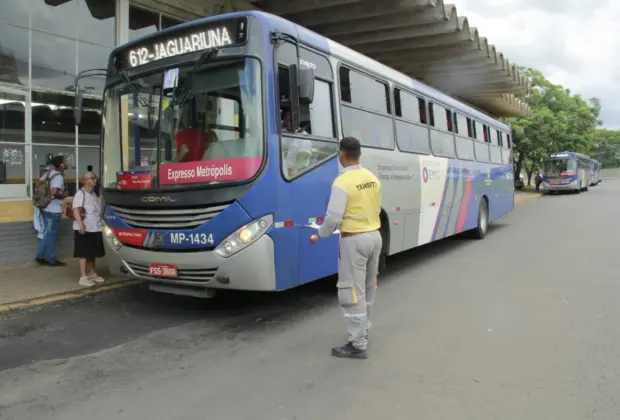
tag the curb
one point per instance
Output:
(59, 297)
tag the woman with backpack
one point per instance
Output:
(87, 227)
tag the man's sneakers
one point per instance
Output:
(41, 261)
(348, 351)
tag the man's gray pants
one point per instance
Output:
(358, 266)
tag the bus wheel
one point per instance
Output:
(480, 231)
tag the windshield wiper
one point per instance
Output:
(135, 88)
(181, 94)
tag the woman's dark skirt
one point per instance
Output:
(89, 245)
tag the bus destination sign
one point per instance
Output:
(219, 34)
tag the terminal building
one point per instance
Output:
(44, 44)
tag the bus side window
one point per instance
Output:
(314, 140)
(397, 106)
(365, 108)
(431, 113)
(411, 130)
(456, 122)
(322, 110)
(345, 84)
(449, 120)
(422, 108)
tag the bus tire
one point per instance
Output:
(480, 231)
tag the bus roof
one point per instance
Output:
(321, 43)
(568, 154)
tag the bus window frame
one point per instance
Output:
(390, 88)
(161, 66)
(310, 137)
(426, 125)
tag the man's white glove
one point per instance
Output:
(313, 225)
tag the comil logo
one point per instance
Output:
(158, 199)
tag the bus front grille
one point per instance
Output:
(200, 275)
(167, 219)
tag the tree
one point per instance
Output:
(560, 121)
(606, 147)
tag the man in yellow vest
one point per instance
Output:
(354, 207)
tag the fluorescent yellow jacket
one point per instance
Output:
(355, 203)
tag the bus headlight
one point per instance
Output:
(108, 233)
(244, 236)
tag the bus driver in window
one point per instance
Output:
(298, 155)
(193, 141)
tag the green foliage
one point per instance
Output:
(560, 121)
(606, 147)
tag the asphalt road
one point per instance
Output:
(522, 325)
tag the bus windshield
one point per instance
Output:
(162, 133)
(557, 167)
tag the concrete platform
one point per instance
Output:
(31, 285)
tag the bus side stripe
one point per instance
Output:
(442, 203)
(465, 203)
(456, 193)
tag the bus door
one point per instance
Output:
(308, 146)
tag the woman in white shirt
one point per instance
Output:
(87, 229)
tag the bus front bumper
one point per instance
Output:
(252, 268)
(574, 185)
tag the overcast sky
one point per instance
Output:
(573, 42)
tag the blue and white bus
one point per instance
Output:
(567, 171)
(596, 173)
(219, 149)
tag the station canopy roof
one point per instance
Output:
(425, 39)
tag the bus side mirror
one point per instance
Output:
(306, 85)
(77, 108)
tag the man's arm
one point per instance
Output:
(335, 211)
(182, 154)
(56, 184)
